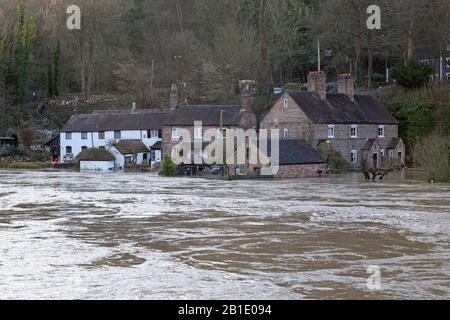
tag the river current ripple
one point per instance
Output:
(139, 236)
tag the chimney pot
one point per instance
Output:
(248, 118)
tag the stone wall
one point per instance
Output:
(301, 171)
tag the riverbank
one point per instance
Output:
(35, 165)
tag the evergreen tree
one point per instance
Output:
(412, 74)
(168, 168)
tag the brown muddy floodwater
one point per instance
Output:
(137, 236)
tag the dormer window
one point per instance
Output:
(380, 131)
(354, 131)
(286, 103)
(331, 131)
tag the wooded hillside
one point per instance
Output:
(140, 47)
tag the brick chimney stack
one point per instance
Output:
(246, 99)
(317, 83)
(346, 85)
(173, 97)
(248, 118)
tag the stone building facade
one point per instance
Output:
(344, 120)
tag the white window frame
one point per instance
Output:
(354, 157)
(117, 133)
(101, 135)
(355, 127)
(198, 133)
(332, 127)
(152, 134)
(68, 135)
(381, 127)
(286, 103)
(175, 133)
(285, 133)
(84, 135)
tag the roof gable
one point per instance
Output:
(278, 114)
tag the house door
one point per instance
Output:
(375, 160)
(400, 157)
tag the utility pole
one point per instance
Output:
(318, 56)
(152, 77)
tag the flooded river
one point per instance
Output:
(87, 236)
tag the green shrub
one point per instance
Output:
(412, 74)
(416, 119)
(432, 153)
(336, 164)
(378, 78)
(168, 168)
(293, 86)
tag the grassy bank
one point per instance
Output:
(30, 165)
(24, 165)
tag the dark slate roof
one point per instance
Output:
(185, 115)
(368, 144)
(393, 143)
(94, 154)
(131, 147)
(340, 109)
(296, 152)
(110, 121)
(157, 146)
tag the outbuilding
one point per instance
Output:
(131, 152)
(96, 160)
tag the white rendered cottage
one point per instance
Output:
(103, 130)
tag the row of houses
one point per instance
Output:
(357, 126)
